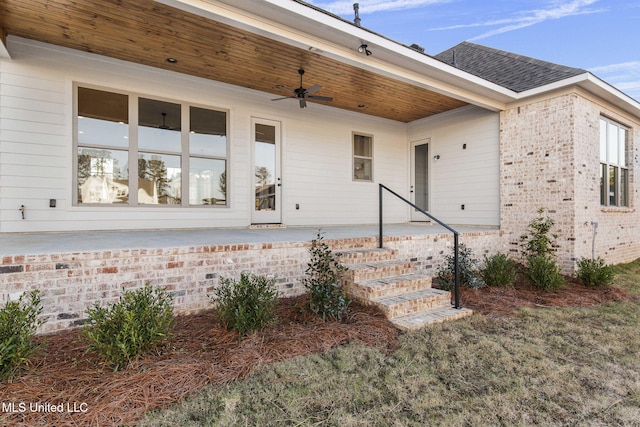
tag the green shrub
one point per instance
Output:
(594, 272)
(468, 270)
(498, 270)
(18, 324)
(538, 241)
(135, 325)
(323, 279)
(246, 305)
(544, 272)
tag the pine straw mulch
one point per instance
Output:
(200, 352)
(504, 301)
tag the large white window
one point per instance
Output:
(134, 150)
(614, 164)
(362, 157)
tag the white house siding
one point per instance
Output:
(36, 155)
(550, 160)
(463, 176)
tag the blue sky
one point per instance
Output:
(601, 36)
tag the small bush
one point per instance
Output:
(538, 241)
(468, 270)
(544, 272)
(135, 325)
(498, 270)
(594, 272)
(323, 279)
(246, 305)
(18, 324)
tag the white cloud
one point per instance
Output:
(531, 17)
(624, 76)
(340, 7)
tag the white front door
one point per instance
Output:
(420, 179)
(266, 180)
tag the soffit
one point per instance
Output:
(147, 32)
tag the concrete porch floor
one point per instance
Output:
(89, 241)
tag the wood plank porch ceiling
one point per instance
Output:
(146, 32)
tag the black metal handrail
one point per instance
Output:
(456, 266)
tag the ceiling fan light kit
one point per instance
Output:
(302, 94)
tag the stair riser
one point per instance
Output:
(414, 306)
(383, 272)
(365, 258)
(365, 293)
(429, 319)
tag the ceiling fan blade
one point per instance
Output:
(283, 87)
(313, 88)
(303, 103)
(321, 98)
(284, 97)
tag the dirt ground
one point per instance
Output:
(65, 385)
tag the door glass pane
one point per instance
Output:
(421, 190)
(103, 176)
(207, 132)
(159, 179)
(265, 167)
(159, 125)
(207, 181)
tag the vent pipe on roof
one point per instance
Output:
(356, 9)
(454, 60)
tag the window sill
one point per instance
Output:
(616, 209)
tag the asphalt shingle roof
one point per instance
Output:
(509, 70)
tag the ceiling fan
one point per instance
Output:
(303, 94)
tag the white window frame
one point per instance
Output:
(614, 159)
(355, 157)
(133, 150)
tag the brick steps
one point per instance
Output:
(436, 315)
(390, 286)
(359, 256)
(412, 302)
(379, 270)
(405, 297)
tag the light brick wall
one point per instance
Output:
(71, 282)
(618, 233)
(550, 159)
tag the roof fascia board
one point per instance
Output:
(309, 29)
(593, 85)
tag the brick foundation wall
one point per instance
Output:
(429, 251)
(550, 159)
(71, 282)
